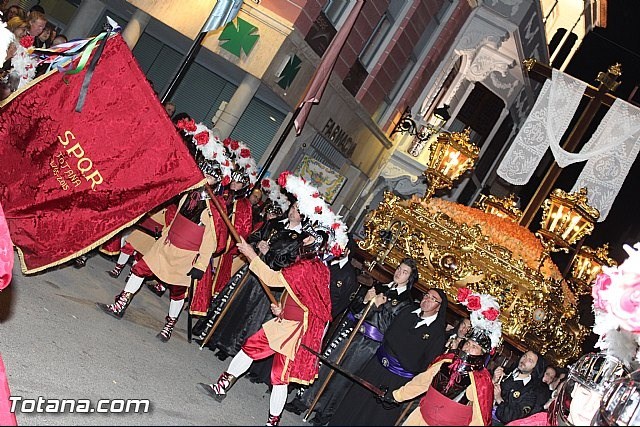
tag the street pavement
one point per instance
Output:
(56, 344)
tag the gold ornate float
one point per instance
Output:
(457, 245)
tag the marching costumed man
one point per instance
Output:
(239, 210)
(457, 386)
(250, 305)
(184, 250)
(304, 309)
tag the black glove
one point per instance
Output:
(387, 398)
(195, 273)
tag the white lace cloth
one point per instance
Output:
(609, 154)
(547, 122)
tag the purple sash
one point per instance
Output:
(367, 329)
(392, 364)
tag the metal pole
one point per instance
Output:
(184, 66)
(339, 359)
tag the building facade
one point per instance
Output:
(401, 54)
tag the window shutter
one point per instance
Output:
(256, 129)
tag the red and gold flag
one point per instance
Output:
(69, 181)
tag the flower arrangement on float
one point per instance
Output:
(616, 305)
(316, 210)
(520, 241)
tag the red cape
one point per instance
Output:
(309, 280)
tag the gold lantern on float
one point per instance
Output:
(450, 156)
(566, 218)
(587, 265)
(504, 208)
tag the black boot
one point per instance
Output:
(296, 406)
(116, 271)
(117, 309)
(165, 333)
(219, 390)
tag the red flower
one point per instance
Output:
(227, 141)
(234, 144)
(27, 41)
(318, 210)
(463, 294)
(491, 314)
(245, 153)
(335, 225)
(188, 125)
(202, 137)
(247, 166)
(336, 250)
(473, 303)
(315, 195)
(266, 183)
(226, 180)
(282, 179)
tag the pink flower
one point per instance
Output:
(626, 309)
(473, 303)
(491, 314)
(463, 294)
(602, 283)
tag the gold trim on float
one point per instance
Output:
(93, 245)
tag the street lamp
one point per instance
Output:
(587, 265)
(566, 218)
(408, 126)
(504, 208)
(437, 120)
(451, 155)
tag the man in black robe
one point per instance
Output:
(414, 339)
(517, 393)
(389, 300)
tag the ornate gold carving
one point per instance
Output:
(451, 254)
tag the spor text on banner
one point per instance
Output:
(71, 180)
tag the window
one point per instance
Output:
(380, 32)
(375, 41)
(334, 10)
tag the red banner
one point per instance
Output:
(69, 181)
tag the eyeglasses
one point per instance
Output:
(432, 298)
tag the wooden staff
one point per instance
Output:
(339, 359)
(236, 236)
(404, 413)
(233, 296)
